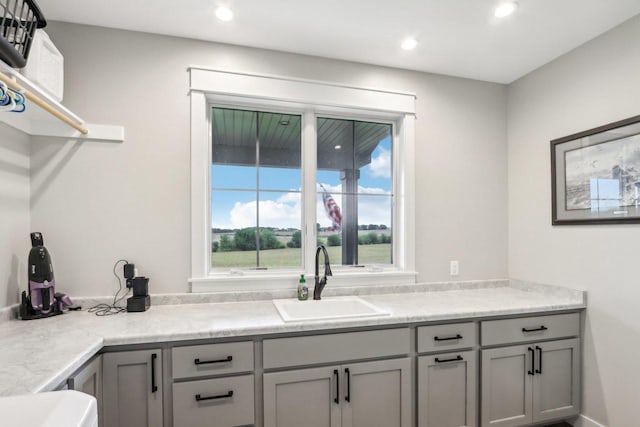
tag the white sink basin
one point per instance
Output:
(54, 409)
(292, 310)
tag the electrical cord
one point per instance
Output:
(111, 309)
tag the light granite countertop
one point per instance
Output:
(37, 356)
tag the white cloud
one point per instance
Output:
(273, 213)
(380, 167)
(286, 210)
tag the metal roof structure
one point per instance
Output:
(235, 133)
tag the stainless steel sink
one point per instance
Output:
(292, 310)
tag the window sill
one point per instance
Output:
(225, 282)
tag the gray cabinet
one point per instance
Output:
(370, 394)
(447, 390)
(507, 386)
(532, 383)
(132, 393)
(556, 385)
(89, 380)
(304, 397)
(377, 394)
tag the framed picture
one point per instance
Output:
(595, 175)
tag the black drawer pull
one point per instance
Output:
(154, 387)
(541, 328)
(455, 359)
(457, 337)
(533, 357)
(336, 374)
(539, 370)
(220, 396)
(208, 362)
(347, 374)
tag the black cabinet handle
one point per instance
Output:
(207, 362)
(457, 337)
(539, 370)
(533, 356)
(219, 396)
(455, 359)
(336, 374)
(154, 387)
(347, 396)
(541, 328)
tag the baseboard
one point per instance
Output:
(584, 421)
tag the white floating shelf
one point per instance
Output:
(35, 121)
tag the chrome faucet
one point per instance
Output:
(321, 282)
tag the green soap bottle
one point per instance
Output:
(303, 291)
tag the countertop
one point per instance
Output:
(38, 355)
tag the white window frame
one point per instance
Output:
(311, 99)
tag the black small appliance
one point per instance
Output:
(140, 301)
(42, 300)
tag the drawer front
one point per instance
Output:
(299, 351)
(530, 329)
(212, 359)
(223, 402)
(446, 337)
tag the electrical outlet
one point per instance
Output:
(454, 268)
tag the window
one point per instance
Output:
(355, 191)
(255, 189)
(280, 166)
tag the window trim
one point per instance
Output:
(311, 99)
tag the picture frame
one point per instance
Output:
(595, 175)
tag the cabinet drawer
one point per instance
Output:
(530, 329)
(212, 359)
(223, 402)
(298, 351)
(446, 337)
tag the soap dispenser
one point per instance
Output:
(303, 290)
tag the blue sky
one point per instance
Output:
(236, 209)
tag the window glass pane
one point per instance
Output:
(233, 151)
(333, 241)
(232, 213)
(374, 230)
(256, 212)
(280, 216)
(355, 190)
(279, 138)
(370, 242)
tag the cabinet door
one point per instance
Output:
(377, 394)
(447, 390)
(305, 397)
(132, 394)
(507, 378)
(89, 381)
(556, 385)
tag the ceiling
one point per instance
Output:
(236, 132)
(456, 37)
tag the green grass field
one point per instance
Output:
(367, 254)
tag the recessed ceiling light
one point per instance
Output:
(284, 122)
(337, 147)
(409, 44)
(224, 13)
(505, 9)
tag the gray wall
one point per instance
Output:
(97, 202)
(14, 213)
(596, 84)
